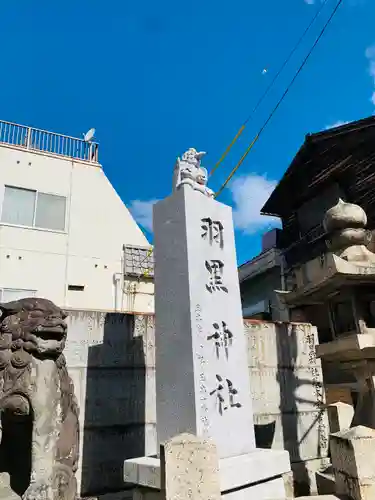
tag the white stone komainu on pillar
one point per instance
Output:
(202, 382)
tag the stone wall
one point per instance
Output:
(286, 382)
(110, 358)
(111, 361)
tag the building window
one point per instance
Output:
(18, 206)
(26, 207)
(10, 294)
(76, 288)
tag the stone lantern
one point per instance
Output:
(342, 281)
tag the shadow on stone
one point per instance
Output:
(265, 434)
(15, 450)
(114, 427)
(287, 353)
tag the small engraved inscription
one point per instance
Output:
(226, 394)
(215, 282)
(212, 231)
(203, 391)
(198, 318)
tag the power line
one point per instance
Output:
(261, 130)
(273, 81)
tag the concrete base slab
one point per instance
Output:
(269, 490)
(320, 497)
(236, 472)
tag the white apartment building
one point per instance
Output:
(65, 234)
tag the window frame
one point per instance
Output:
(38, 228)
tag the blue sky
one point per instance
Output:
(155, 78)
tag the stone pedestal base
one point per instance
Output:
(353, 458)
(271, 490)
(254, 475)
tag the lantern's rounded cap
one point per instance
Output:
(344, 215)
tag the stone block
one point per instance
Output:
(288, 485)
(111, 359)
(340, 416)
(287, 391)
(276, 389)
(353, 458)
(109, 340)
(189, 469)
(285, 345)
(304, 435)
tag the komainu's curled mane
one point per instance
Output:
(39, 412)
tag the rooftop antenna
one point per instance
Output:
(89, 135)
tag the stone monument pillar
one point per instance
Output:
(202, 376)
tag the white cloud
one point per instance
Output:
(370, 55)
(249, 194)
(142, 212)
(337, 124)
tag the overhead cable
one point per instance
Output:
(261, 130)
(269, 87)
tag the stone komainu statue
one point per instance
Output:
(188, 171)
(39, 412)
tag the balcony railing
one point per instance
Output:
(33, 139)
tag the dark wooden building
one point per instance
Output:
(338, 162)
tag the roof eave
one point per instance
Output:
(269, 207)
